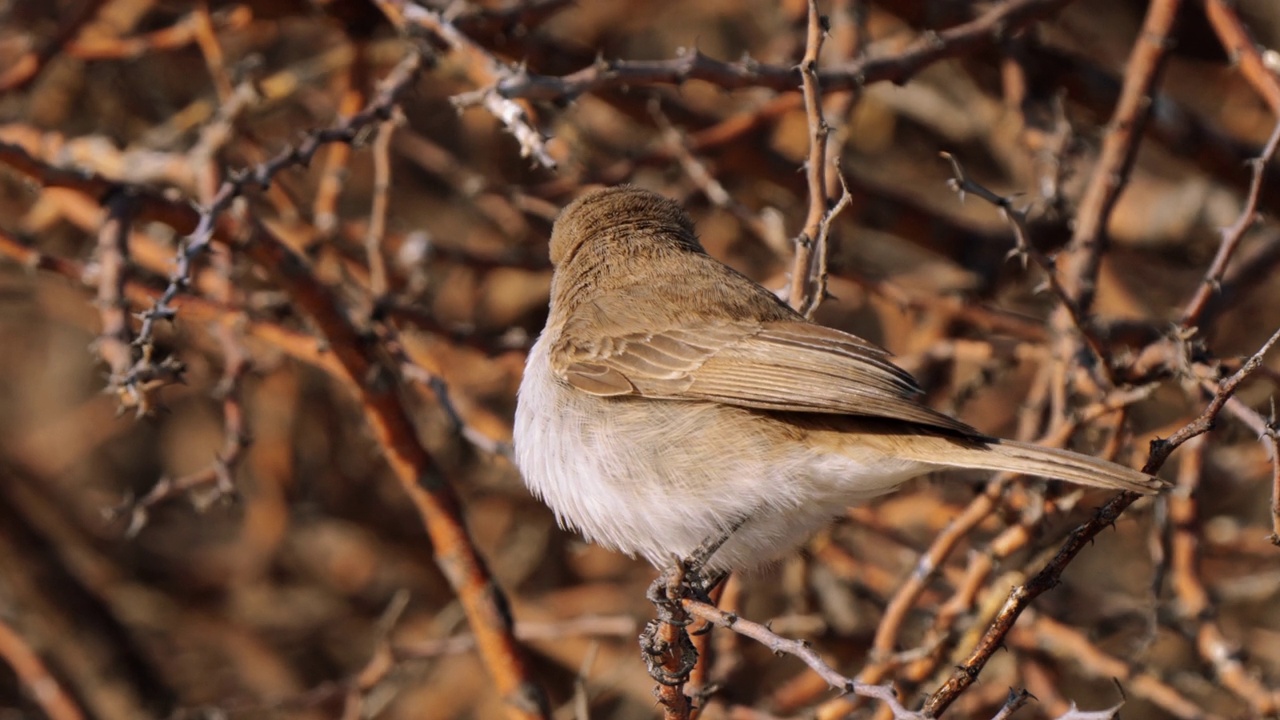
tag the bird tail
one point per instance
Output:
(1018, 457)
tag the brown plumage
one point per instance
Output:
(670, 397)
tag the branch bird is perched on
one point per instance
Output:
(670, 399)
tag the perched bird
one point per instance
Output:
(670, 399)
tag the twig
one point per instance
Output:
(219, 475)
(380, 663)
(434, 383)
(1041, 634)
(1022, 596)
(676, 142)
(486, 69)
(114, 345)
(1119, 149)
(957, 529)
(588, 625)
(376, 233)
(295, 344)
(23, 70)
(202, 31)
(962, 183)
(41, 686)
(1002, 20)
(801, 650)
(377, 385)
(195, 245)
(337, 158)
(803, 296)
(1242, 49)
(1194, 602)
(1272, 436)
(1017, 698)
(1231, 236)
(665, 645)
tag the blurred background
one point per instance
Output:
(233, 545)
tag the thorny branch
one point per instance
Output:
(197, 243)
(1023, 249)
(805, 292)
(1003, 19)
(406, 15)
(1048, 577)
(1232, 236)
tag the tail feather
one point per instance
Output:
(1018, 457)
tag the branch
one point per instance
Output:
(197, 243)
(377, 385)
(41, 686)
(961, 183)
(999, 22)
(809, 283)
(1242, 49)
(1194, 601)
(801, 650)
(1022, 596)
(1231, 236)
(1119, 149)
(485, 69)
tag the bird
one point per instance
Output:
(670, 399)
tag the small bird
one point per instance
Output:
(671, 399)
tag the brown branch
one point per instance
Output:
(620, 626)
(1004, 19)
(883, 657)
(380, 663)
(298, 345)
(337, 158)
(676, 143)
(1231, 236)
(185, 31)
(817, 290)
(1268, 432)
(1242, 49)
(1048, 577)
(96, 153)
(1040, 634)
(803, 296)
(34, 677)
(377, 230)
(432, 382)
(671, 649)
(1194, 601)
(485, 69)
(115, 343)
(219, 475)
(962, 183)
(1011, 540)
(22, 71)
(1119, 149)
(798, 649)
(1272, 436)
(508, 20)
(377, 385)
(374, 382)
(206, 38)
(197, 243)
(149, 205)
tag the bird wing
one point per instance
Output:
(785, 365)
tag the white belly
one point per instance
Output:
(646, 483)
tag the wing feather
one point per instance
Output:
(780, 365)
